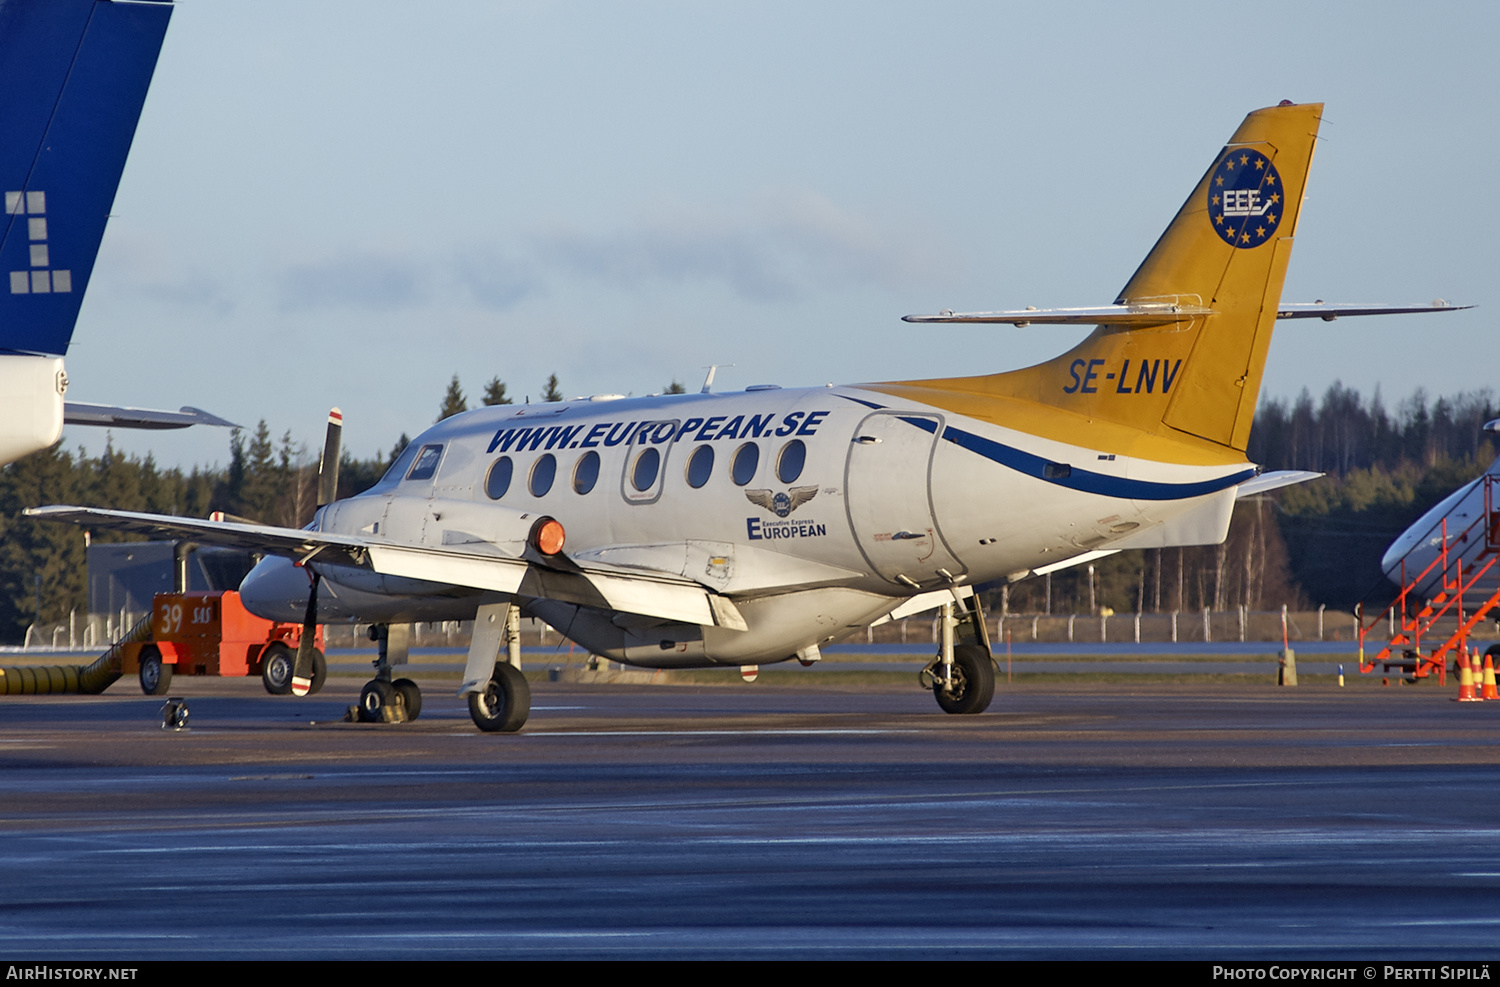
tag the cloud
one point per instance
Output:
(785, 245)
(782, 246)
(495, 280)
(355, 279)
(151, 268)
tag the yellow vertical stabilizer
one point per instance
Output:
(1191, 381)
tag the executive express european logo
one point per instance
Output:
(1245, 198)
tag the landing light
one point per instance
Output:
(547, 536)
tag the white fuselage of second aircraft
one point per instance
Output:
(815, 510)
(1465, 519)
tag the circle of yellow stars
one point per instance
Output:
(1238, 171)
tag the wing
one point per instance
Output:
(598, 585)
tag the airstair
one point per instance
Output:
(1467, 567)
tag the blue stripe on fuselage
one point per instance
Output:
(1078, 479)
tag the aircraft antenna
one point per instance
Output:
(708, 382)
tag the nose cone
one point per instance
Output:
(276, 590)
(1420, 545)
(1390, 562)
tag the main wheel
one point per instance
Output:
(411, 696)
(276, 664)
(374, 698)
(505, 702)
(156, 675)
(974, 681)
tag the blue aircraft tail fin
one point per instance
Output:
(73, 78)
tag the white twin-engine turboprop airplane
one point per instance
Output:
(749, 528)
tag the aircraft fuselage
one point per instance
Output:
(816, 510)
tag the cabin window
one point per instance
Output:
(543, 472)
(426, 464)
(586, 472)
(746, 461)
(1056, 471)
(700, 466)
(643, 474)
(497, 480)
(789, 464)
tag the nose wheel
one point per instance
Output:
(962, 676)
(972, 684)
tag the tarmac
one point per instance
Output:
(1207, 819)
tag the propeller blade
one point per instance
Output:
(328, 462)
(302, 667)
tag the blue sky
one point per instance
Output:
(346, 203)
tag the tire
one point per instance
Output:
(374, 698)
(504, 704)
(156, 675)
(276, 664)
(975, 687)
(411, 696)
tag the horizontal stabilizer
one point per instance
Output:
(1326, 312)
(1133, 316)
(1145, 316)
(110, 416)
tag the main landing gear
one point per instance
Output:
(499, 698)
(504, 703)
(962, 676)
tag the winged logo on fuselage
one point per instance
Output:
(781, 504)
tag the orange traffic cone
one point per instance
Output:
(1489, 680)
(1465, 680)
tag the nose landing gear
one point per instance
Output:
(962, 676)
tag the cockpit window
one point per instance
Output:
(426, 464)
(398, 468)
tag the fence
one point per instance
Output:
(89, 632)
